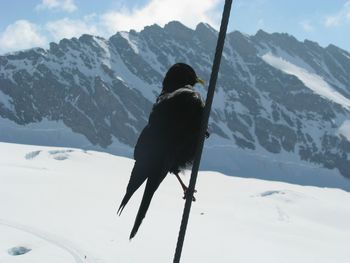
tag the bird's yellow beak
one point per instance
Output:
(199, 80)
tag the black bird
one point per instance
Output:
(168, 142)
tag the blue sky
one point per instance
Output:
(30, 23)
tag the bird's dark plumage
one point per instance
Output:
(168, 142)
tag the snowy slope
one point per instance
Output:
(61, 205)
(311, 80)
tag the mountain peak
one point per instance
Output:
(178, 30)
(176, 27)
(335, 48)
(262, 34)
(175, 24)
(205, 27)
(151, 29)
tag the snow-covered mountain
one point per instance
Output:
(59, 205)
(281, 108)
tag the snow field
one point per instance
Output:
(61, 203)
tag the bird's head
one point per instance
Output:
(178, 76)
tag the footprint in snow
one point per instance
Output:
(17, 251)
(32, 155)
(271, 192)
(282, 216)
(52, 152)
(60, 155)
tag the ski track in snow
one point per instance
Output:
(77, 254)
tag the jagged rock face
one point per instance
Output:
(269, 94)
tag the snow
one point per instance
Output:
(132, 41)
(211, 28)
(104, 44)
(6, 101)
(45, 132)
(54, 133)
(311, 80)
(132, 80)
(223, 155)
(38, 246)
(151, 57)
(220, 99)
(344, 129)
(62, 209)
(240, 65)
(23, 64)
(346, 55)
(219, 154)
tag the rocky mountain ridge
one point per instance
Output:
(276, 97)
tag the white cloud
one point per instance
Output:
(261, 23)
(24, 34)
(64, 5)
(68, 28)
(21, 35)
(306, 25)
(337, 19)
(160, 12)
(333, 20)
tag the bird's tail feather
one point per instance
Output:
(151, 187)
(125, 200)
(138, 176)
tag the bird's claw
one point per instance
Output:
(186, 193)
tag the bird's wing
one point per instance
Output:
(146, 157)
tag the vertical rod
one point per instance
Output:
(204, 125)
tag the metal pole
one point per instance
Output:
(204, 125)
